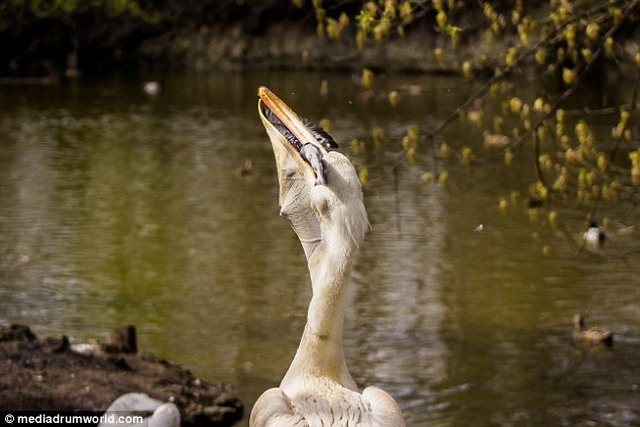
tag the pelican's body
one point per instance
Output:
(321, 195)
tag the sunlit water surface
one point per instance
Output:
(117, 207)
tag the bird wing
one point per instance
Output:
(384, 409)
(273, 409)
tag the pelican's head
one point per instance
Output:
(320, 192)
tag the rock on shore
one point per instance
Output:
(50, 374)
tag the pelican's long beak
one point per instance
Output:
(299, 137)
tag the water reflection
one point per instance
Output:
(120, 208)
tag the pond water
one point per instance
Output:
(117, 207)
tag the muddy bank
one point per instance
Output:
(287, 45)
(50, 374)
(295, 46)
(284, 38)
(212, 35)
(207, 35)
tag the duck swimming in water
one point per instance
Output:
(152, 87)
(593, 335)
(595, 235)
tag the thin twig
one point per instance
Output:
(580, 73)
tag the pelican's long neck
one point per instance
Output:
(330, 272)
(320, 352)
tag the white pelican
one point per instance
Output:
(321, 195)
(155, 412)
